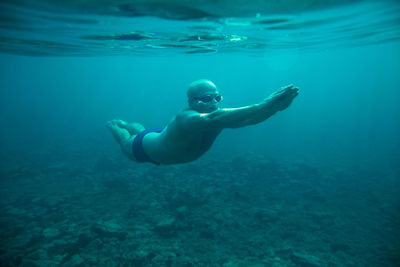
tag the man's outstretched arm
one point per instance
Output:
(244, 116)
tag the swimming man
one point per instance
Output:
(193, 130)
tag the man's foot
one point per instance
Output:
(119, 123)
(282, 98)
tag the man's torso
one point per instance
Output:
(179, 144)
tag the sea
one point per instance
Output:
(315, 185)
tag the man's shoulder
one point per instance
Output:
(187, 118)
(186, 113)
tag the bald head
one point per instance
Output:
(202, 96)
(201, 87)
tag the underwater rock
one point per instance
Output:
(340, 246)
(304, 260)
(28, 263)
(164, 259)
(207, 234)
(140, 258)
(314, 196)
(84, 239)
(181, 212)
(266, 215)
(16, 211)
(284, 252)
(324, 220)
(62, 248)
(108, 229)
(33, 242)
(166, 228)
(190, 198)
(51, 233)
(75, 260)
(37, 254)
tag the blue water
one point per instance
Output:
(315, 185)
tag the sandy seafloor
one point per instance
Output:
(72, 205)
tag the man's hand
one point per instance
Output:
(282, 98)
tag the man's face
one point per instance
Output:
(207, 101)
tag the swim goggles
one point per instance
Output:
(209, 98)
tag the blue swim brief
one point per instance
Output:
(137, 146)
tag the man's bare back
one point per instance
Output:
(193, 130)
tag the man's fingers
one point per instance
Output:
(294, 90)
(291, 90)
(295, 93)
(288, 90)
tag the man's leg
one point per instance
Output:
(121, 135)
(124, 134)
(133, 127)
